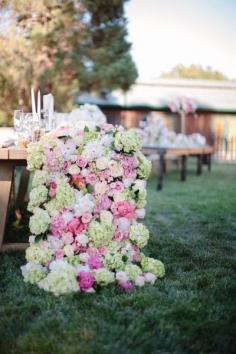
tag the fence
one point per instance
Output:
(225, 149)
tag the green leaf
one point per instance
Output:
(86, 129)
(89, 188)
(38, 238)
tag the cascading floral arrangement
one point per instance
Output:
(89, 191)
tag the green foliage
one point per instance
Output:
(192, 310)
(64, 47)
(194, 72)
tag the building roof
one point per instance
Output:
(209, 95)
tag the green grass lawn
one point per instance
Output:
(192, 310)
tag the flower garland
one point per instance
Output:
(89, 190)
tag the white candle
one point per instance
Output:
(39, 104)
(33, 103)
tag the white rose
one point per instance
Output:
(102, 163)
(150, 278)
(69, 251)
(115, 168)
(73, 170)
(122, 277)
(84, 257)
(140, 280)
(82, 239)
(106, 216)
(123, 224)
(100, 187)
(140, 213)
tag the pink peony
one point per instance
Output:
(126, 285)
(86, 280)
(124, 208)
(75, 226)
(95, 262)
(57, 225)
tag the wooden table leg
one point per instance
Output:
(209, 162)
(24, 180)
(199, 164)
(183, 171)
(161, 171)
(6, 175)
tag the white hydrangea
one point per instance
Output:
(39, 222)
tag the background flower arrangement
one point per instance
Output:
(89, 192)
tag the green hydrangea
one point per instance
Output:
(60, 281)
(113, 261)
(101, 233)
(90, 135)
(152, 265)
(141, 198)
(38, 195)
(132, 270)
(35, 156)
(52, 207)
(139, 234)
(33, 273)
(127, 141)
(103, 276)
(73, 260)
(39, 178)
(39, 222)
(144, 166)
(38, 255)
(65, 195)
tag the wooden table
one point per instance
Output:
(183, 153)
(9, 159)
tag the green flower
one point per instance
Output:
(127, 141)
(38, 195)
(101, 233)
(38, 255)
(60, 281)
(132, 270)
(152, 265)
(65, 195)
(39, 178)
(103, 276)
(144, 167)
(35, 156)
(33, 273)
(113, 261)
(39, 222)
(139, 234)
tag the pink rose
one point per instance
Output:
(102, 250)
(91, 178)
(52, 190)
(86, 280)
(86, 218)
(116, 187)
(59, 254)
(95, 262)
(81, 161)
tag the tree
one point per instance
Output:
(194, 72)
(63, 46)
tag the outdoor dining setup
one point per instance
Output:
(158, 144)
